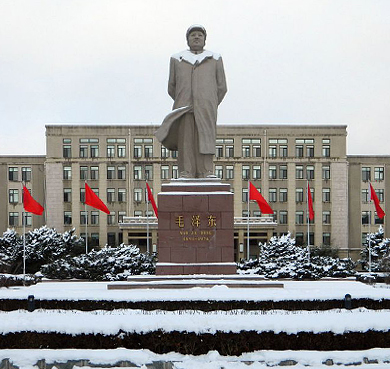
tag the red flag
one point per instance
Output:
(93, 200)
(151, 199)
(256, 195)
(30, 204)
(378, 208)
(310, 203)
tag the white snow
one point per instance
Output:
(192, 58)
(293, 290)
(106, 322)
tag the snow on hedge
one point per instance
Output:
(106, 322)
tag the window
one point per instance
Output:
(94, 217)
(13, 219)
(148, 172)
(312, 194)
(257, 213)
(111, 239)
(164, 171)
(256, 172)
(310, 172)
(229, 151)
(366, 174)
(326, 194)
(110, 172)
(246, 214)
(137, 194)
(121, 151)
(299, 195)
(366, 217)
(13, 173)
(83, 217)
(94, 239)
(326, 217)
(379, 220)
(83, 151)
(256, 149)
(299, 238)
(94, 151)
(13, 196)
(137, 151)
(283, 217)
(283, 194)
(310, 151)
(67, 217)
(299, 217)
(148, 151)
(137, 173)
(325, 172)
(110, 194)
(164, 152)
(67, 195)
(229, 172)
(82, 195)
(110, 151)
(299, 151)
(246, 151)
(326, 239)
(95, 173)
(175, 171)
(67, 173)
(67, 151)
(283, 172)
(246, 169)
(283, 151)
(379, 173)
(365, 196)
(218, 151)
(272, 150)
(111, 218)
(121, 194)
(380, 192)
(244, 195)
(27, 219)
(121, 172)
(138, 213)
(272, 171)
(299, 172)
(83, 172)
(272, 195)
(311, 238)
(326, 151)
(174, 154)
(26, 174)
(219, 171)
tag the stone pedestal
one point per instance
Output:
(195, 228)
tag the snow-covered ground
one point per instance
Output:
(293, 290)
(110, 322)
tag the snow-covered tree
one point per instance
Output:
(380, 251)
(282, 258)
(43, 245)
(107, 264)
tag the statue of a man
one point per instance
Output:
(197, 85)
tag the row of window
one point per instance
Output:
(13, 219)
(113, 194)
(93, 216)
(379, 173)
(92, 172)
(366, 218)
(13, 174)
(281, 194)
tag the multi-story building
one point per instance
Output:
(117, 160)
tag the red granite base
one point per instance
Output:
(189, 269)
(195, 228)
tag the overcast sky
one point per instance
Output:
(106, 61)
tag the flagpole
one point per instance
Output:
(86, 219)
(308, 221)
(24, 234)
(247, 235)
(147, 219)
(369, 232)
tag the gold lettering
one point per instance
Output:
(180, 221)
(195, 221)
(212, 221)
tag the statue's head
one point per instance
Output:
(196, 37)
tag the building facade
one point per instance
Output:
(117, 160)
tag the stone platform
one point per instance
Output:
(195, 228)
